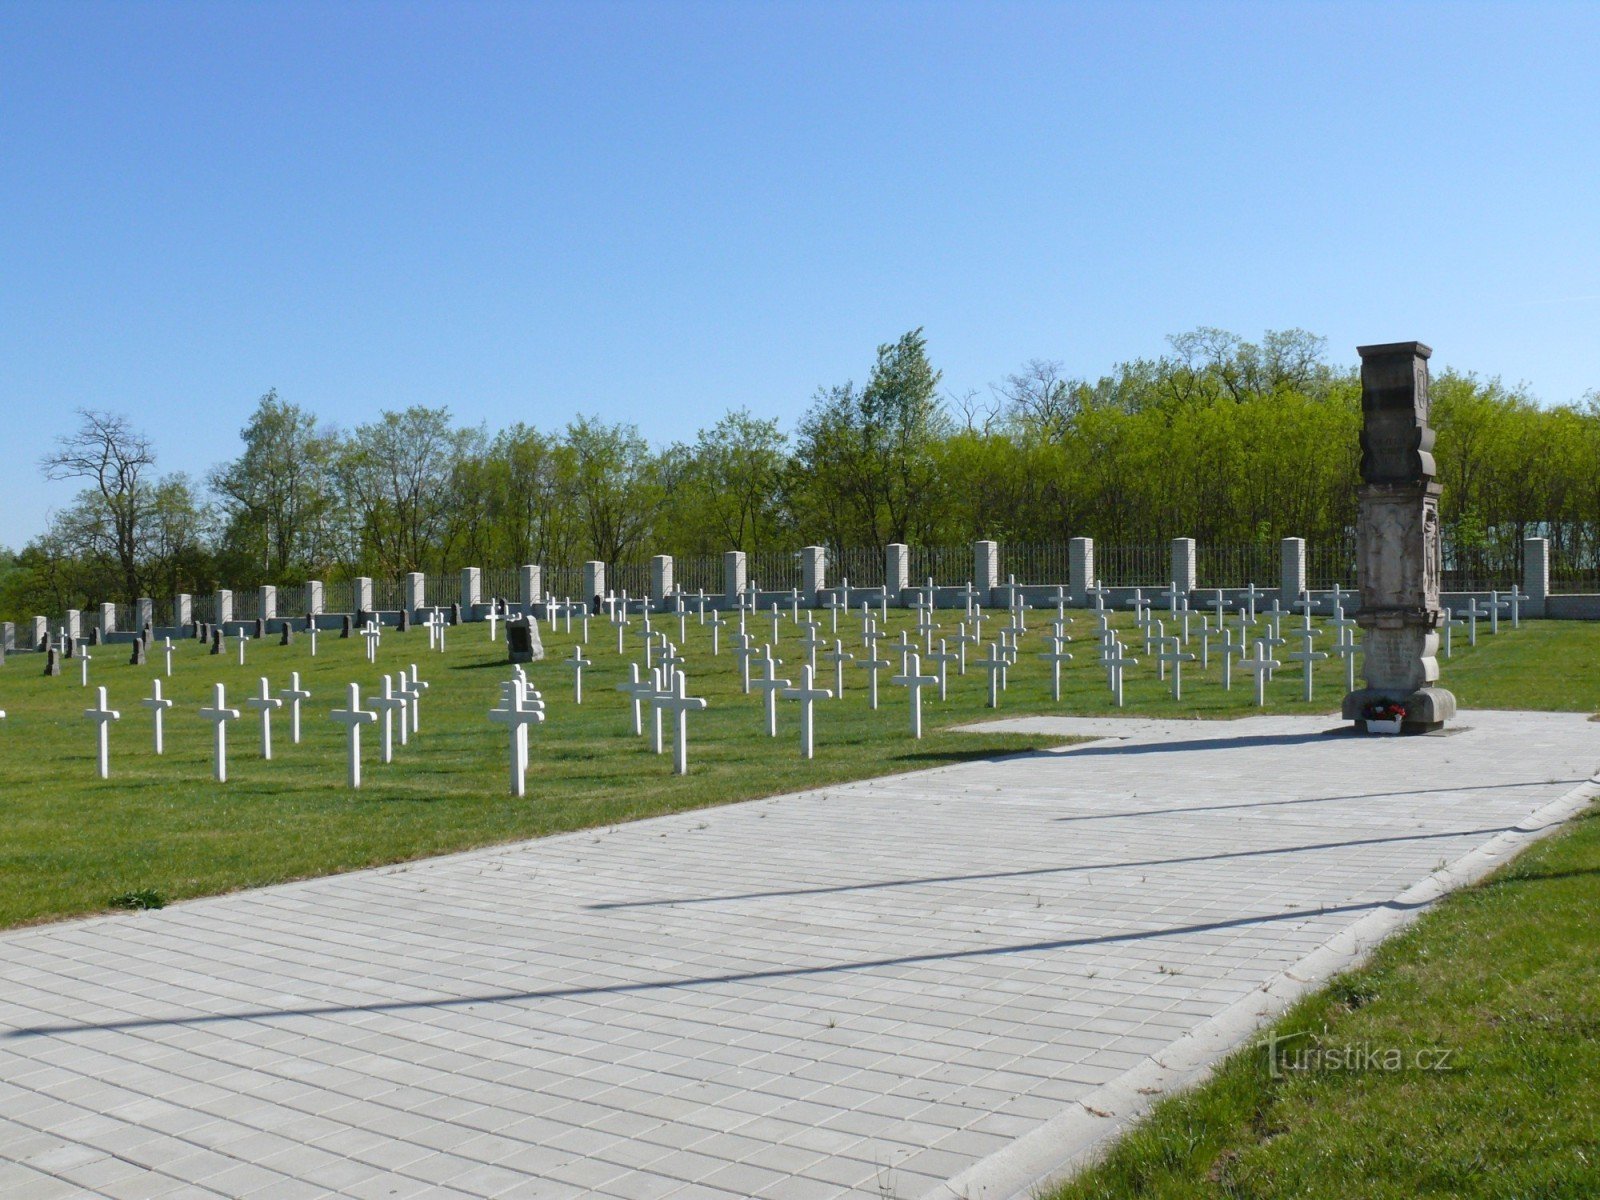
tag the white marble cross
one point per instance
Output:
(717, 621)
(311, 632)
(102, 714)
(637, 689)
(1251, 595)
(240, 639)
(404, 695)
(1450, 622)
(219, 714)
(418, 686)
(1116, 663)
(387, 704)
(838, 656)
(995, 664)
(1230, 650)
(292, 696)
(1515, 597)
(516, 712)
(264, 702)
(661, 687)
(166, 648)
(680, 705)
(493, 621)
(700, 604)
(807, 694)
(872, 665)
(1347, 648)
(1218, 605)
(83, 664)
(619, 621)
(1261, 666)
(913, 680)
(744, 650)
(771, 685)
(944, 656)
(777, 618)
(1175, 655)
(964, 638)
(576, 664)
(158, 705)
(372, 634)
(353, 718)
(1474, 611)
(1308, 655)
(1495, 605)
(1055, 656)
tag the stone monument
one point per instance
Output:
(523, 643)
(1398, 558)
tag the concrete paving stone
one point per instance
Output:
(845, 974)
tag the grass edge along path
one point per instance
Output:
(1458, 1059)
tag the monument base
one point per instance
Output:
(1427, 709)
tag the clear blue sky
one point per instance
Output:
(655, 212)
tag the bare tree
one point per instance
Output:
(106, 450)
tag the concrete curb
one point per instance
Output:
(1076, 1137)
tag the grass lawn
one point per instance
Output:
(1504, 977)
(161, 825)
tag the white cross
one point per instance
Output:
(683, 619)
(996, 665)
(963, 639)
(516, 712)
(809, 645)
(1305, 604)
(833, 606)
(1115, 664)
(771, 685)
(680, 705)
(1251, 593)
(777, 617)
(838, 656)
(1172, 595)
(914, 681)
(637, 689)
(1451, 621)
(312, 631)
(904, 648)
(219, 714)
(241, 639)
(158, 705)
(1515, 597)
(1308, 655)
(1055, 656)
(1495, 605)
(566, 613)
(373, 635)
(264, 702)
(102, 715)
(1261, 666)
(166, 648)
(1347, 648)
(576, 664)
(403, 695)
(944, 657)
(418, 686)
(700, 604)
(716, 622)
(1230, 650)
(619, 621)
(744, 649)
(872, 665)
(493, 618)
(1218, 605)
(661, 681)
(292, 697)
(353, 718)
(794, 605)
(1174, 654)
(387, 703)
(807, 694)
(1473, 613)
(83, 663)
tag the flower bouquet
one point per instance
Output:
(1384, 716)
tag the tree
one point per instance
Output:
(614, 485)
(107, 450)
(397, 473)
(279, 493)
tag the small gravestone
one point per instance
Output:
(455, 614)
(70, 646)
(216, 641)
(405, 620)
(149, 633)
(311, 619)
(198, 630)
(286, 638)
(94, 635)
(44, 643)
(345, 626)
(137, 658)
(52, 661)
(523, 643)
(260, 629)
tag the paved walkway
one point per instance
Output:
(870, 990)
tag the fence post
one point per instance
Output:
(416, 592)
(1536, 573)
(594, 581)
(41, 633)
(985, 567)
(1183, 565)
(733, 575)
(269, 602)
(471, 592)
(528, 586)
(314, 599)
(1080, 569)
(224, 606)
(1292, 578)
(108, 618)
(183, 609)
(661, 580)
(896, 571)
(145, 614)
(361, 594)
(813, 572)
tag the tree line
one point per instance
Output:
(1221, 439)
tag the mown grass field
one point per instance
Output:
(161, 825)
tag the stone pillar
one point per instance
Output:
(1080, 569)
(529, 586)
(41, 633)
(361, 594)
(733, 575)
(985, 567)
(108, 618)
(74, 624)
(661, 579)
(8, 637)
(145, 614)
(813, 572)
(896, 570)
(594, 580)
(183, 610)
(314, 597)
(1183, 565)
(1291, 570)
(416, 592)
(1536, 573)
(1398, 554)
(471, 591)
(224, 599)
(269, 603)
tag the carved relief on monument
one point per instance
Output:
(1432, 554)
